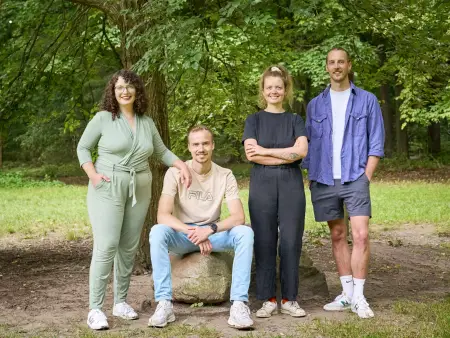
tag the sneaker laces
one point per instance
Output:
(362, 303)
(267, 305)
(339, 297)
(242, 309)
(162, 306)
(294, 304)
(97, 316)
(127, 309)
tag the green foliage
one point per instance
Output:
(17, 180)
(55, 56)
(47, 170)
(58, 56)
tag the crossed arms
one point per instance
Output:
(275, 156)
(196, 234)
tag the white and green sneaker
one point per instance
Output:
(362, 308)
(340, 303)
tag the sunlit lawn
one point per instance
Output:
(37, 211)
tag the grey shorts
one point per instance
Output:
(328, 201)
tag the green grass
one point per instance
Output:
(406, 319)
(411, 203)
(172, 330)
(46, 170)
(38, 211)
(55, 207)
(392, 204)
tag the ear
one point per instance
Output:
(213, 145)
(349, 65)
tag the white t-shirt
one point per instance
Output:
(339, 101)
(202, 202)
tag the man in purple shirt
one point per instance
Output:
(345, 129)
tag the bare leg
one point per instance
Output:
(361, 250)
(341, 250)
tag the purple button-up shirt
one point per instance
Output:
(363, 136)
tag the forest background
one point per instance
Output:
(201, 61)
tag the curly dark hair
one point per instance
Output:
(109, 102)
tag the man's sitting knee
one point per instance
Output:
(245, 233)
(158, 232)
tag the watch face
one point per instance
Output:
(213, 227)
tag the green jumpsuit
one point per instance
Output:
(117, 209)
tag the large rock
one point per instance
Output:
(312, 282)
(197, 278)
(207, 279)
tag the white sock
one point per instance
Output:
(358, 290)
(347, 285)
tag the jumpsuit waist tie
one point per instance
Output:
(132, 170)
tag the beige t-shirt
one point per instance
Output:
(201, 203)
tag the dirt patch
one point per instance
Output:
(44, 284)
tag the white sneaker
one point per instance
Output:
(361, 307)
(292, 308)
(163, 314)
(96, 320)
(267, 309)
(124, 311)
(340, 303)
(240, 316)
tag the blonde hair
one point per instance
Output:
(199, 127)
(282, 73)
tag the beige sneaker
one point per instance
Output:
(267, 309)
(292, 308)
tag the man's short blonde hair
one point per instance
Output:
(199, 127)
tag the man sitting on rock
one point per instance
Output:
(189, 221)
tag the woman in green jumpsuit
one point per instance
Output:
(119, 189)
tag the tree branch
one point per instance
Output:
(113, 49)
(103, 5)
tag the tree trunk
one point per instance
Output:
(157, 94)
(434, 138)
(125, 14)
(401, 135)
(388, 112)
(1, 151)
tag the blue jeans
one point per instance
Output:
(164, 239)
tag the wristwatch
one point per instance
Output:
(213, 226)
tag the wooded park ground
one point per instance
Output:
(45, 250)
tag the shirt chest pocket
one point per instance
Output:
(318, 126)
(358, 124)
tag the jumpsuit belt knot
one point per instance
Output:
(132, 170)
(132, 190)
